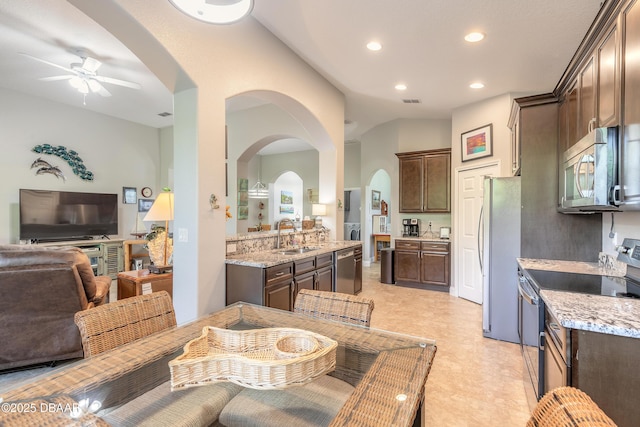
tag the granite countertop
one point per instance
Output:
(579, 267)
(424, 238)
(595, 313)
(275, 256)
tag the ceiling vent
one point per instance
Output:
(165, 114)
(411, 101)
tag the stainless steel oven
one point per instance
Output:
(530, 327)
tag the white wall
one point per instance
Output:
(118, 152)
(292, 184)
(352, 165)
(222, 61)
(493, 111)
(378, 148)
(268, 123)
(626, 225)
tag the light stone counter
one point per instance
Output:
(596, 313)
(271, 257)
(580, 267)
(425, 238)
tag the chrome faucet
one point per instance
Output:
(280, 228)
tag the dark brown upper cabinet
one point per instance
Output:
(425, 181)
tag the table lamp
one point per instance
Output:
(162, 210)
(318, 210)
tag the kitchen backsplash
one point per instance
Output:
(266, 241)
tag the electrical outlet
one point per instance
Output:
(429, 223)
(183, 235)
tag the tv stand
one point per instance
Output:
(106, 255)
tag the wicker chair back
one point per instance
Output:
(114, 324)
(334, 306)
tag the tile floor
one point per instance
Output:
(474, 381)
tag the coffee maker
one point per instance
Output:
(410, 227)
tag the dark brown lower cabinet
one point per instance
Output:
(278, 296)
(324, 279)
(419, 262)
(277, 286)
(434, 264)
(605, 367)
(271, 286)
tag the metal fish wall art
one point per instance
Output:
(46, 167)
(39, 163)
(71, 157)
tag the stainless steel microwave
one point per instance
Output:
(589, 175)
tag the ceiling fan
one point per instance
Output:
(83, 76)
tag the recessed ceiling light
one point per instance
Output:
(474, 37)
(215, 11)
(476, 85)
(401, 86)
(374, 46)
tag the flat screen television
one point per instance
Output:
(64, 215)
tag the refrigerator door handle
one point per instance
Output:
(480, 249)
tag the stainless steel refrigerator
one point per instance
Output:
(499, 245)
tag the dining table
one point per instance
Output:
(387, 370)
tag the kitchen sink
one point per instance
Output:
(296, 251)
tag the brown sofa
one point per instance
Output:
(41, 289)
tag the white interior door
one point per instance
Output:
(468, 239)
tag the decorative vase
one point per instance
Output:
(156, 248)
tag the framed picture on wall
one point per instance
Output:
(129, 195)
(243, 198)
(477, 143)
(286, 197)
(375, 199)
(287, 209)
(144, 205)
(243, 212)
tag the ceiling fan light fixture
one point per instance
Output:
(215, 11)
(79, 84)
(94, 86)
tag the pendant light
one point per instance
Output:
(259, 190)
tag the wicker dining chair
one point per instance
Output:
(334, 306)
(568, 406)
(114, 324)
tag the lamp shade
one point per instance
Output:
(162, 208)
(318, 209)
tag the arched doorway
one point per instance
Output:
(376, 194)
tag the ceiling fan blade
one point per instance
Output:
(103, 91)
(55, 78)
(118, 82)
(91, 64)
(69, 70)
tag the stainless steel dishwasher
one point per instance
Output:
(345, 272)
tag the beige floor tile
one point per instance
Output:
(474, 381)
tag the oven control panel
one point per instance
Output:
(629, 252)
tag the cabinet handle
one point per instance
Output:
(592, 125)
(279, 273)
